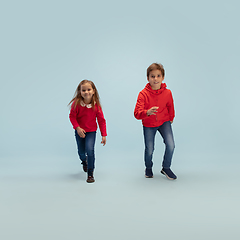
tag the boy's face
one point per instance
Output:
(155, 79)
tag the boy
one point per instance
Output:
(156, 110)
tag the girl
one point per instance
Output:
(85, 109)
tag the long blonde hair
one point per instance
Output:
(77, 98)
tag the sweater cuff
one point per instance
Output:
(145, 112)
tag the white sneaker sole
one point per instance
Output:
(167, 175)
(148, 176)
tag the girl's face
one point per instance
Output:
(87, 92)
(155, 79)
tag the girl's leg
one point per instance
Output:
(166, 132)
(89, 149)
(149, 140)
(80, 146)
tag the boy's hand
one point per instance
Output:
(104, 140)
(152, 111)
(81, 132)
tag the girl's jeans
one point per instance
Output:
(86, 148)
(149, 138)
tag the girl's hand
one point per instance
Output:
(171, 122)
(104, 140)
(81, 132)
(152, 111)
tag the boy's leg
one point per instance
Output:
(166, 132)
(149, 140)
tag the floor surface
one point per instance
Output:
(55, 202)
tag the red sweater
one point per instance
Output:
(149, 98)
(84, 116)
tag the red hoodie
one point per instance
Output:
(149, 98)
(84, 116)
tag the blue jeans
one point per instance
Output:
(149, 139)
(86, 148)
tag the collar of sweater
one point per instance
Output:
(86, 105)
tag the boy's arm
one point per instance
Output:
(170, 107)
(152, 111)
(139, 111)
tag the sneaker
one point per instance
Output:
(168, 173)
(148, 173)
(84, 163)
(90, 179)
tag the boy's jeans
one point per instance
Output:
(86, 148)
(149, 138)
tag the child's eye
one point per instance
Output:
(159, 75)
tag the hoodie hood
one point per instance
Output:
(155, 92)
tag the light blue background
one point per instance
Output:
(48, 47)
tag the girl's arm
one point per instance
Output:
(101, 122)
(104, 140)
(81, 132)
(73, 116)
(74, 112)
